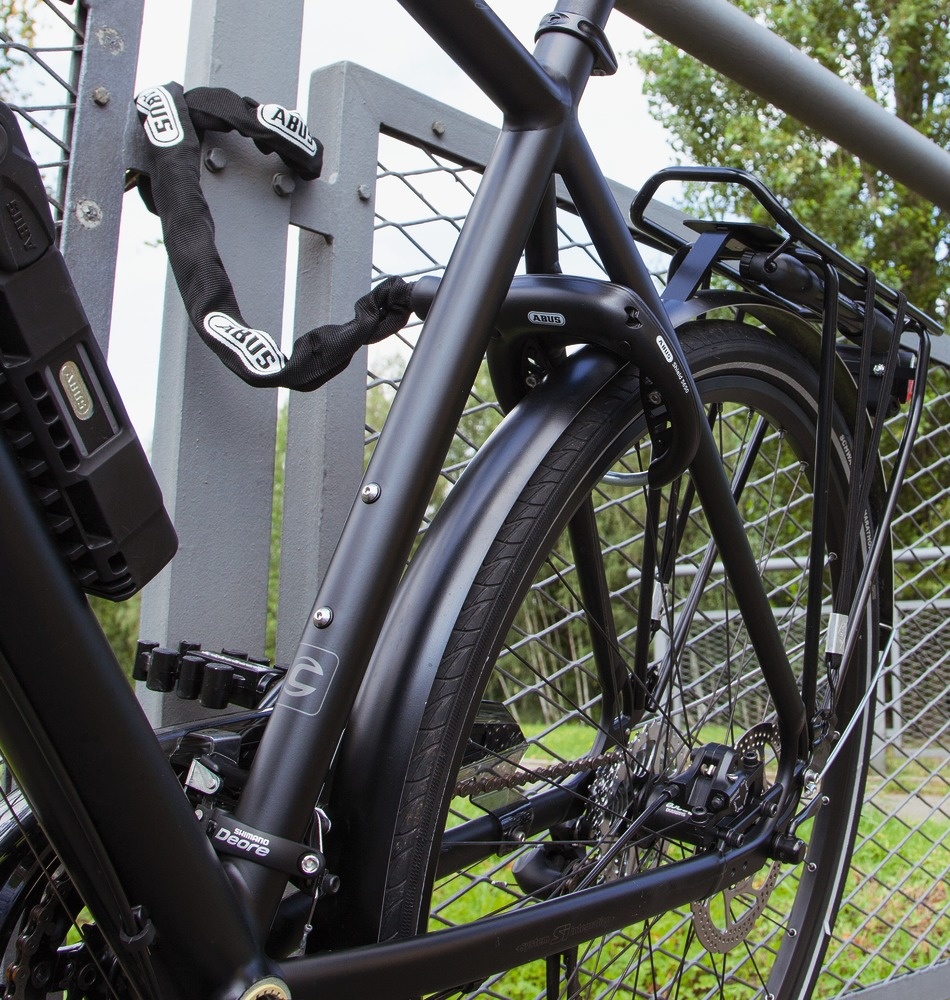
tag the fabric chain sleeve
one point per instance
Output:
(175, 122)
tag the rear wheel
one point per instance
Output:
(532, 695)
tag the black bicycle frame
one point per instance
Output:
(211, 931)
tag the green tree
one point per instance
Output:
(17, 27)
(119, 621)
(895, 51)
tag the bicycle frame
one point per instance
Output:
(74, 777)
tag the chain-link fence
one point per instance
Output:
(42, 50)
(40, 55)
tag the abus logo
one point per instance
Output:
(162, 124)
(289, 124)
(256, 349)
(664, 347)
(80, 399)
(20, 224)
(546, 318)
(308, 680)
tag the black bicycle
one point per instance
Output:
(606, 735)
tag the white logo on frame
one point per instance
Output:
(308, 680)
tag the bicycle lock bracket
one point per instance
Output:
(543, 313)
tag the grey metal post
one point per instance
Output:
(350, 105)
(94, 187)
(325, 428)
(213, 446)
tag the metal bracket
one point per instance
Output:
(605, 62)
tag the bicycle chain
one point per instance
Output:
(39, 967)
(488, 781)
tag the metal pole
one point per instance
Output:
(97, 162)
(213, 448)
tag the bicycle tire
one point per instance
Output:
(767, 938)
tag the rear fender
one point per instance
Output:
(368, 776)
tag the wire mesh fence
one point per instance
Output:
(40, 54)
(895, 915)
(42, 47)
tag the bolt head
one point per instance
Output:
(322, 617)
(101, 96)
(284, 185)
(370, 493)
(216, 159)
(88, 213)
(310, 864)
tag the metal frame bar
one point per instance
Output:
(94, 185)
(210, 428)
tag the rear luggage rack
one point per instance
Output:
(800, 273)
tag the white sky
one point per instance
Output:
(381, 36)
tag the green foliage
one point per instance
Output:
(120, 623)
(277, 513)
(895, 51)
(17, 26)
